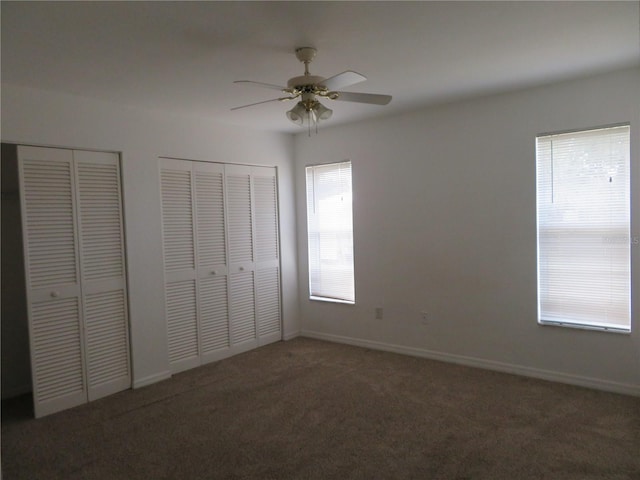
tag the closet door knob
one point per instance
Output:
(241, 269)
(55, 294)
(214, 272)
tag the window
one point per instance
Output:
(330, 232)
(583, 199)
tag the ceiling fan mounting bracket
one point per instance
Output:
(306, 54)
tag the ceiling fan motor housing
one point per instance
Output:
(305, 80)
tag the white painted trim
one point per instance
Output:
(291, 335)
(588, 382)
(16, 391)
(151, 379)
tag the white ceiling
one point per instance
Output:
(184, 56)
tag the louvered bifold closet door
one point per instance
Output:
(240, 229)
(53, 278)
(267, 260)
(102, 269)
(211, 261)
(179, 263)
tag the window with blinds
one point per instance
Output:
(330, 232)
(584, 240)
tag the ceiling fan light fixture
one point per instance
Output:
(322, 112)
(309, 113)
(297, 114)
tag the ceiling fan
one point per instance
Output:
(308, 88)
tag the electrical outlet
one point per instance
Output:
(379, 313)
(425, 317)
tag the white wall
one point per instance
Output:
(44, 118)
(445, 221)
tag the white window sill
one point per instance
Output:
(597, 328)
(331, 300)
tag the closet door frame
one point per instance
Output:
(60, 292)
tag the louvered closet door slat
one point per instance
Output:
(107, 343)
(177, 219)
(268, 293)
(214, 314)
(266, 217)
(211, 260)
(102, 272)
(243, 326)
(100, 215)
(181, 324)
(49, 218)
(239, 221)
(267, 266)
(101, 221)
(210, 215)
(181, 294)
(57, 355)
(241, 257)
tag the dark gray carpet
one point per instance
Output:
(307, 409)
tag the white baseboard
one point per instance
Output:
(594, 383)
(291, 335)
(15, 391)
(151, 379)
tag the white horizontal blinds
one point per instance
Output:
(53, 278)
(583, 197)
(211, 257)
(102, 272)
(179, 263)
(330, 231)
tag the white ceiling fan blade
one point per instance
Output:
(264, 101)
(372, 98)
(342, 80)
(261, 84)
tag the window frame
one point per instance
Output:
(316, 297)
(602, 326)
